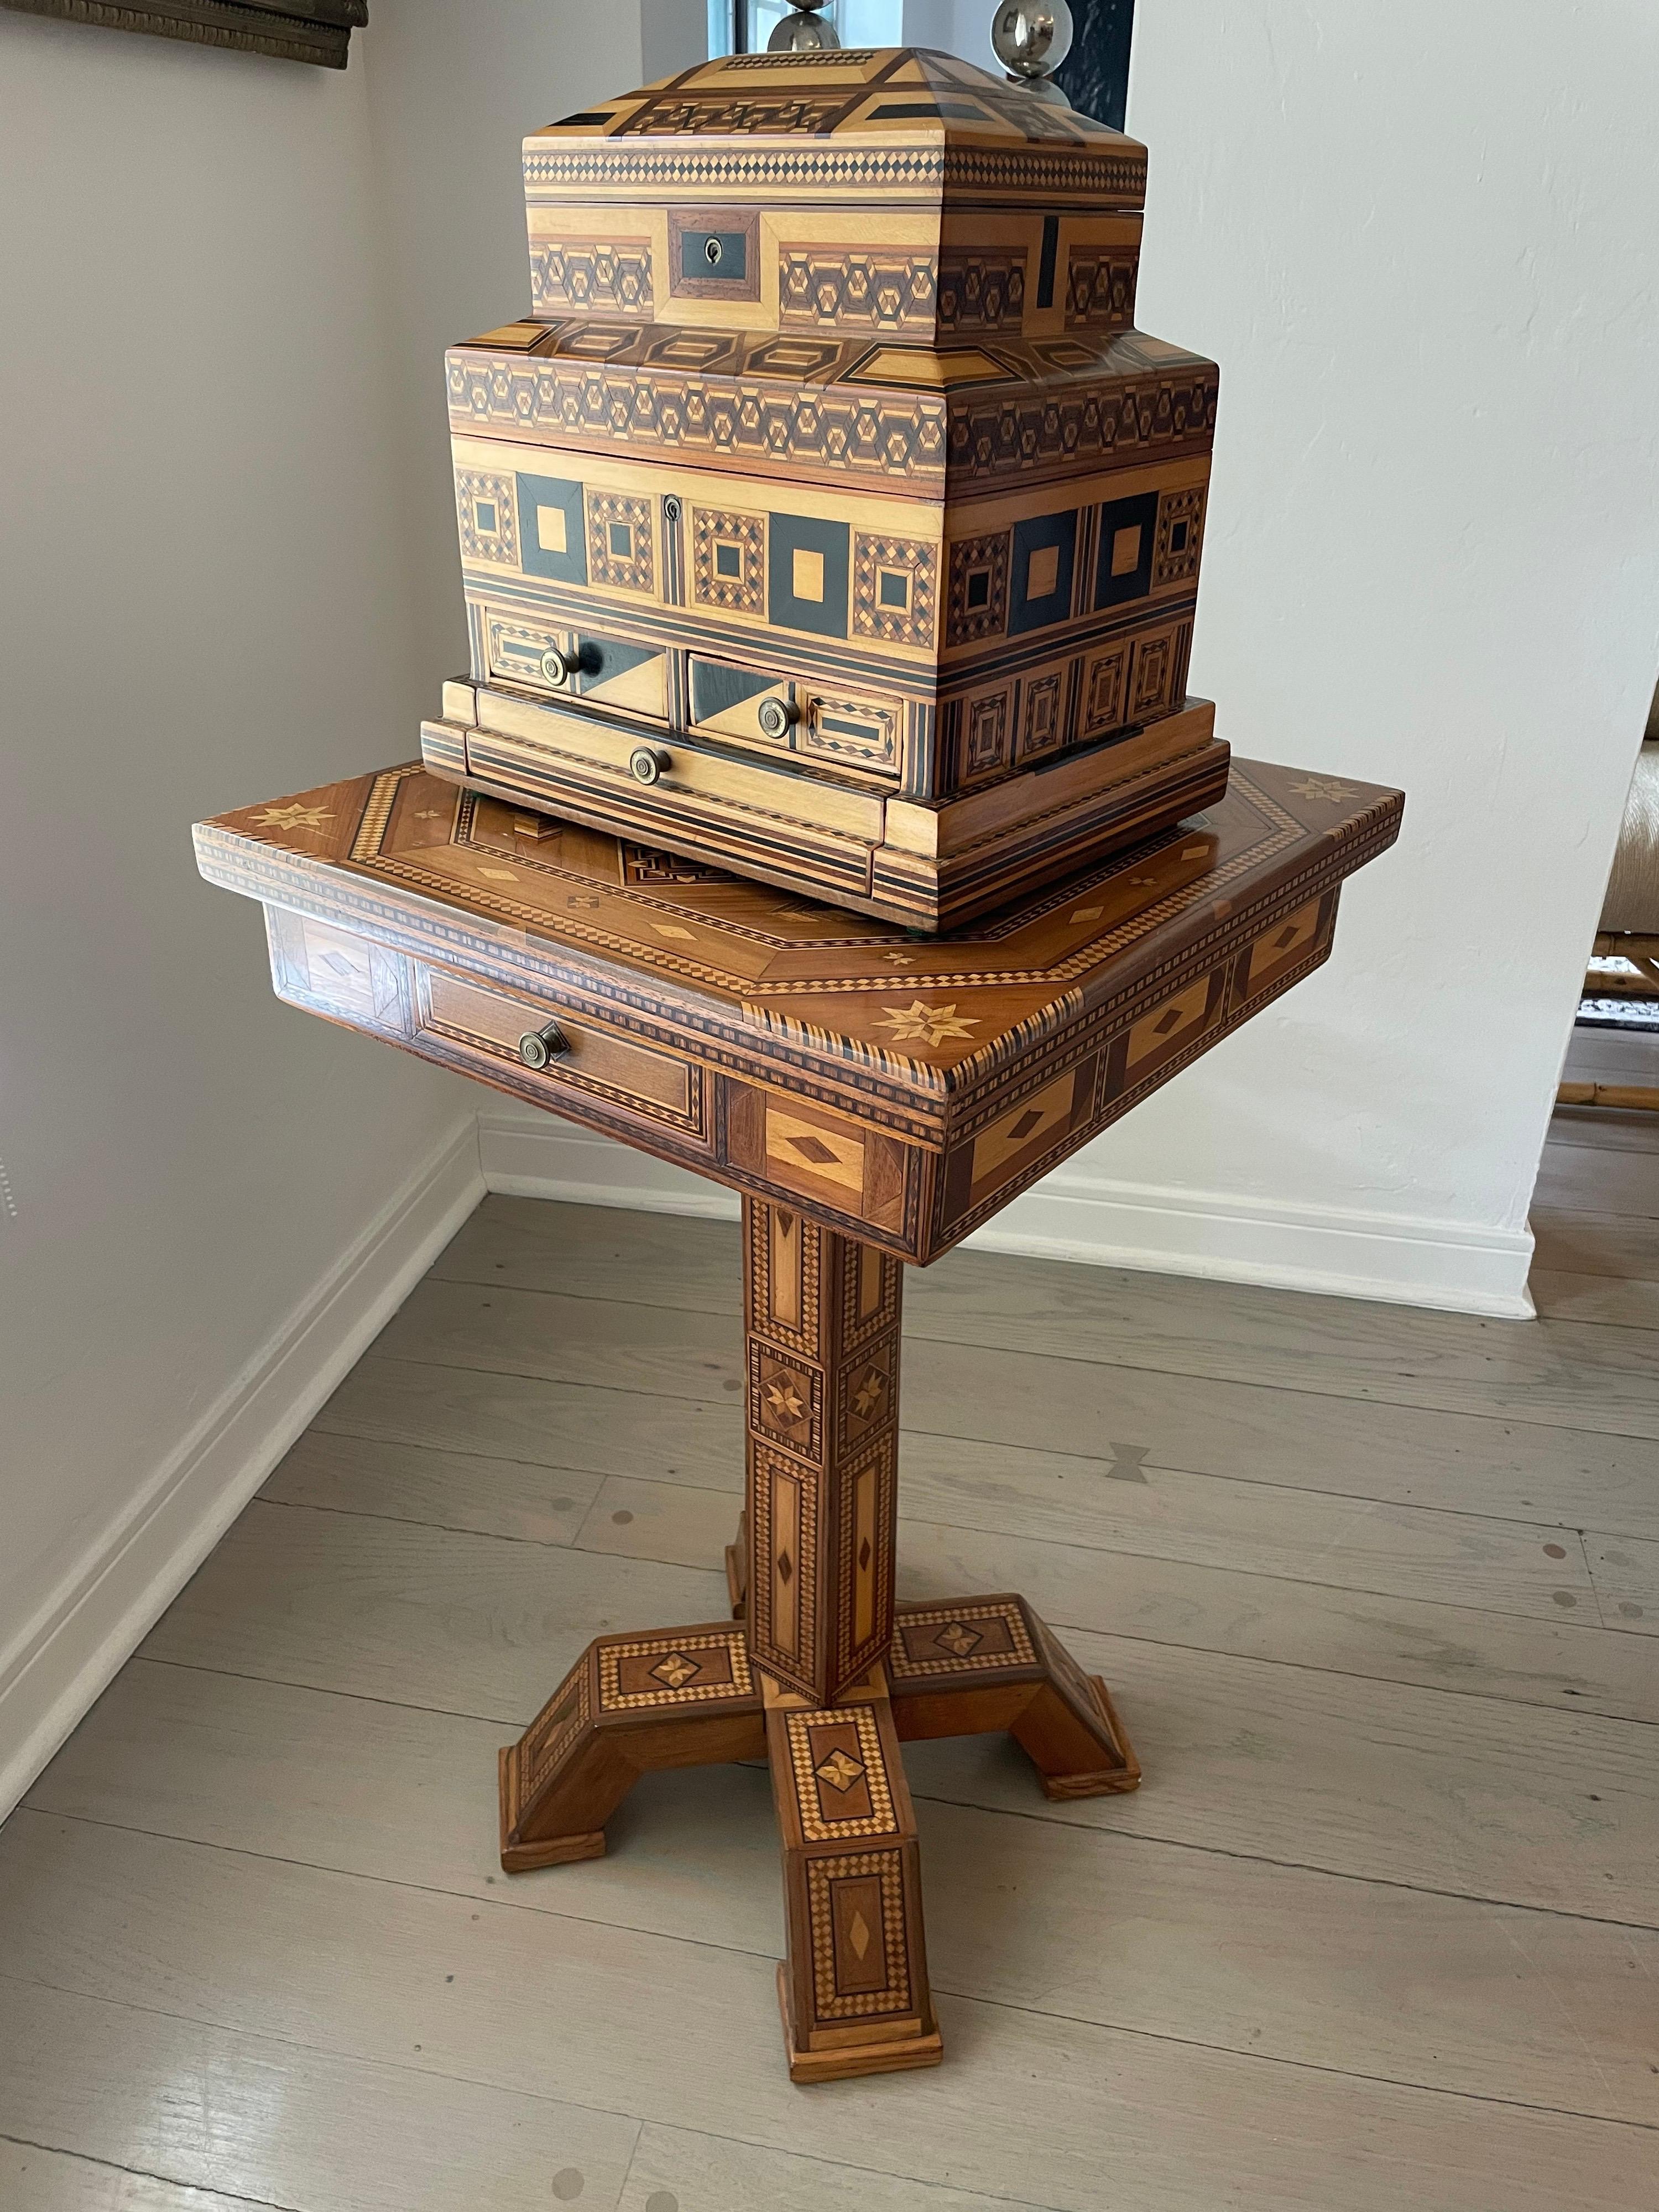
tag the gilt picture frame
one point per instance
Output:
(317, 31)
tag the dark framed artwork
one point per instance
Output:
(293, 30)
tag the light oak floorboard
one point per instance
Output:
(1205, 1947)
(1445, 1462)
(1593, 1243)
(1206, 1521)
(1059, 2113)
(1573, 1667)
(1572, 1375)
(281, 2120)
(1607, 1128)
(1588, 1179)
(710, 2173)
(1567, 1664)
(1004, 1301)
(1632, 1053)
(1360, 1777)
(1620, 1301)
(421, 1616)
(33, 2180)
(444, 1489)
(1626, 1578)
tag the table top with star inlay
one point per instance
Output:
(1008, 1042)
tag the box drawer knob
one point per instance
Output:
(776, 715)
(538, 1047)
(557, 665)
(647, 762)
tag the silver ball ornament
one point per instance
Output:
(1031, 38)
(802, 32)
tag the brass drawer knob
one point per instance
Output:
(558, 666)
(776, 715)
(647, 762)
(538, 1047)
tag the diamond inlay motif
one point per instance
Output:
(813, 1149)
(1029, 1120)
(858, 1934)
(841, 1771)
(958, 1637)
(676, 1670)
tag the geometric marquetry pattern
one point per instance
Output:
(979, 589)
(489, 518)
(588, 275)
(822, 289)
(966, 1638)
(619, 541)
(893, 436)
(894, 580)
(663, 1672)
(555, 1728)
(845, 1896)
(841, 1778)
(983, 291)
(728, 560)
(1045, 434)
(822, 1323)
(1180, 532)
(1100, 290)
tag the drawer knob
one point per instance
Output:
(647, 762)
(558, 666)
(776, 715)
(538, 1047)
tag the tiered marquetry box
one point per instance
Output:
(829, 520)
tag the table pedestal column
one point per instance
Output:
(820, 1672)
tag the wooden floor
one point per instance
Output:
(1378, 1591)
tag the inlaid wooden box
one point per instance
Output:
(829, 520)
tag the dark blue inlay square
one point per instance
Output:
(806, 568)
(1040, 574)
(1123, 568)
(551, 538)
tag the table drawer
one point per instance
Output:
(582, 1055)
(668, 766)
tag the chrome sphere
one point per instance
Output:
(803, 32)
(1031, 38)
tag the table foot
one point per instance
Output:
(854, 1987)
(972, 1666)
(631, 1704)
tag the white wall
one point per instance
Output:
(1420, 239)
(226, 572)
(454, 85)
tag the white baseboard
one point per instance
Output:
(1075, 1215)
(86, 1629)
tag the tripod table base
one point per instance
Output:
(854, 1987)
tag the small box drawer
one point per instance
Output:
(785, 715)
(586, 1056)
(562, 663)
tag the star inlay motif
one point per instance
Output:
(841, 1771)
(868, 1394)
(294, 816)
(784, 1402)
(1324, 786)
(921, 1023)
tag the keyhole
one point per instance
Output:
(711, 248)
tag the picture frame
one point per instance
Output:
(317, 31)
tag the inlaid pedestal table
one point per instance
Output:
(875, 1095)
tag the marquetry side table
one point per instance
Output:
(875, 1096)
